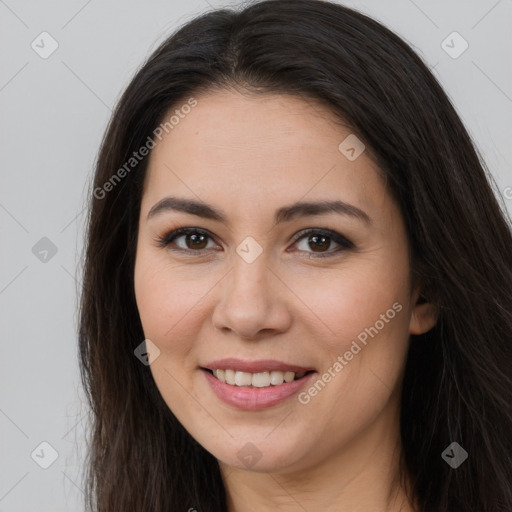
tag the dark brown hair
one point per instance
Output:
(457, 384)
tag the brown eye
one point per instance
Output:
(196, 241)
(188, 239)
(319, 242)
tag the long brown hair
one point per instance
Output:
(457, 385)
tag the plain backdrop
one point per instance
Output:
(53, 112)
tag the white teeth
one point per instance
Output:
(289, 376)
(230, 376)
(276, 378)
(243, 379)
(261, 380)
(220, 374)
(257, 380)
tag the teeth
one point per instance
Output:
(230, 376)
(276, 378)
(257, 380)
(289, 376)
(243, 379)
(260, 380)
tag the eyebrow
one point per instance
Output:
(283, 214)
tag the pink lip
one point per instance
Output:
(254, 366)
(250, 398)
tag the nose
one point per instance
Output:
(252, 301)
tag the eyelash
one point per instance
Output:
(343, 242)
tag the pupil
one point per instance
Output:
(320, 242)
(196, 240)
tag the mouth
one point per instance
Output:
(255, 385)
(265, 379)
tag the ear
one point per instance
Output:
(424, 315)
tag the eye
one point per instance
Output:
(190, 240)
(320, 241)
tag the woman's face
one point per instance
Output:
(271, 283)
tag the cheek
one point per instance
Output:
(345, 302)
(363, 334)
(169, 304)
(362, 314)
(168, 297)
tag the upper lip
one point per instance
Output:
(255, 366)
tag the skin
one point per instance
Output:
(248, 155)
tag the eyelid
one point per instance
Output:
(165, 240)
(334, 235)
(343, 242)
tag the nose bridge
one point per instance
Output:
(249, 277)
(250, 265)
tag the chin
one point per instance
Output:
(260, 453)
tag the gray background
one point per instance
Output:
(53, 114)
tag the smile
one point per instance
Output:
(256, 380)
(255, 385)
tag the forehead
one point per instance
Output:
(247, 148)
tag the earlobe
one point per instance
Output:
(424, 316)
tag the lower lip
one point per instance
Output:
(255, 398)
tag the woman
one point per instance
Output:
(298, 278)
